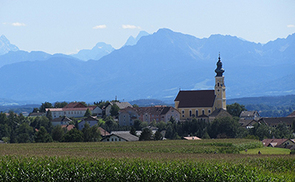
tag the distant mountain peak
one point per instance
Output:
(5, 45)
(132, 41)
(98, 51)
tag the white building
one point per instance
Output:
(75, 110)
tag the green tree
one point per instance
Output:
(146, 134)
(91, 134)
(24, 133)
(282, 131)
(235, 109)
(144, 124)
(42, 136)
(49, 115)
(158, 135)
(262, 131)
(60, 104)
(57, 133)
(132, 131)
(114, 110)
(135, 105)
(36, 110)
(206, 136)
(161, 125)
(44, 106)
(136, 124)
(110, 123)
(74, 135)
(87, 113)
(224, 127)
(153, 123)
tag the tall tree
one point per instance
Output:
(132, 131)
(158, 135)
(42, 136)
(49, 115)
(57, 133)
(44, 106)
(60, 104)
(87, 113)
(114, 110)
(24, 133)
(235, 109)
(146, 134)
(136, 124)
(74, 135)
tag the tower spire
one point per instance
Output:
(219, 70)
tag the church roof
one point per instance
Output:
(195, 98)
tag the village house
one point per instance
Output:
(121, 105)
(202, 103)
(147, 114)
(61, 121)
(68, 127)
(250, 115)
(91, 120)
(120, 137)
(281, 143)
(75, 110)
(274, 122)
(249, 118)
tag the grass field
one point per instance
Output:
(267, 150)
(178, 160)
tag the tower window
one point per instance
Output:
(218, 84)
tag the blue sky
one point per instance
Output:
(63, 26)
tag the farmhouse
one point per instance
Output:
(195, 103)
(281, 143)
(120, 137)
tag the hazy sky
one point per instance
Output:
(64, 26)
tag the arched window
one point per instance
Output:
(203, 112)
(190, 113)
(197, 113)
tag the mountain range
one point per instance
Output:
(155, 66)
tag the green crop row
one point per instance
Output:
(14, 168)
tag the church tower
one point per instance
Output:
(220, 100)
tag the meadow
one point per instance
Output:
(174, 160)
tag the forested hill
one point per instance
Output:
(269, 106)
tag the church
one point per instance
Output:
(203, 103)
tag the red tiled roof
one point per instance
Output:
(292, 114)
(75, 105)
(91, 108)
(195, 98)
(152, 110)
(278, 120)
(68, 127)
(103, 132)
(274, 142)
(59, 119)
